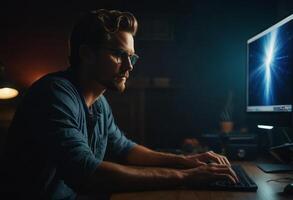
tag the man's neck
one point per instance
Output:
(90, 89)
(91, 92)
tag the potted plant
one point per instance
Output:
(226, 120)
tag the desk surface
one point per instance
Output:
(271, 190)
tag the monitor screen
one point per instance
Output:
(269, 69)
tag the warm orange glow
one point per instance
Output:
(8, 93)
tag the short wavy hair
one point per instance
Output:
(96, 28)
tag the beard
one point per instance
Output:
(115, 85)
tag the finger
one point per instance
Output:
(235, 175)
(226, 161)
(225, 177)
(225, 170)
(215, 157)
(217, 165)
(223, 159)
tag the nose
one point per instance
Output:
(127, 64)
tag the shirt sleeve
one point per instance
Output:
(57, 129)
(118, 144)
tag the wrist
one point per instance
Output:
(181, 160)
(185, 162)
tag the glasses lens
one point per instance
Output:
(119, 53)
(133, 59)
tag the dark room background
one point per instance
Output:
(192, 57)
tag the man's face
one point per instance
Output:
(110, 69)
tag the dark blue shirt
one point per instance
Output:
(55, 142)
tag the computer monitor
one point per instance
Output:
(270, 74)
(269, 93)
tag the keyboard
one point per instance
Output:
(245, 182)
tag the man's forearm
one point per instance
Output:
(112, 177)
(141, 155)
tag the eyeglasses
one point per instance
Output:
(120, 54)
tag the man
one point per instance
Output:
(64, 127)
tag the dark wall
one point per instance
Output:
(216, 49)
(205, 53)
(208, 56)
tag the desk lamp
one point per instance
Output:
(7, 91)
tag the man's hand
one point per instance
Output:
(208, 173)
(196, 160)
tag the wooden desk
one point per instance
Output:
(266, 190)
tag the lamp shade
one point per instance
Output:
(7, 91)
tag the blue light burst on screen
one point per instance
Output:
(266, 70)
(270, 51)
(270, 66)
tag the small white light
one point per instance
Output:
(265, 127)
(8, 93)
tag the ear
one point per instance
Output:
(86, 54)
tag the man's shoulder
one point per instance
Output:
(52, 85)
(59, 77)
(54, 81)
